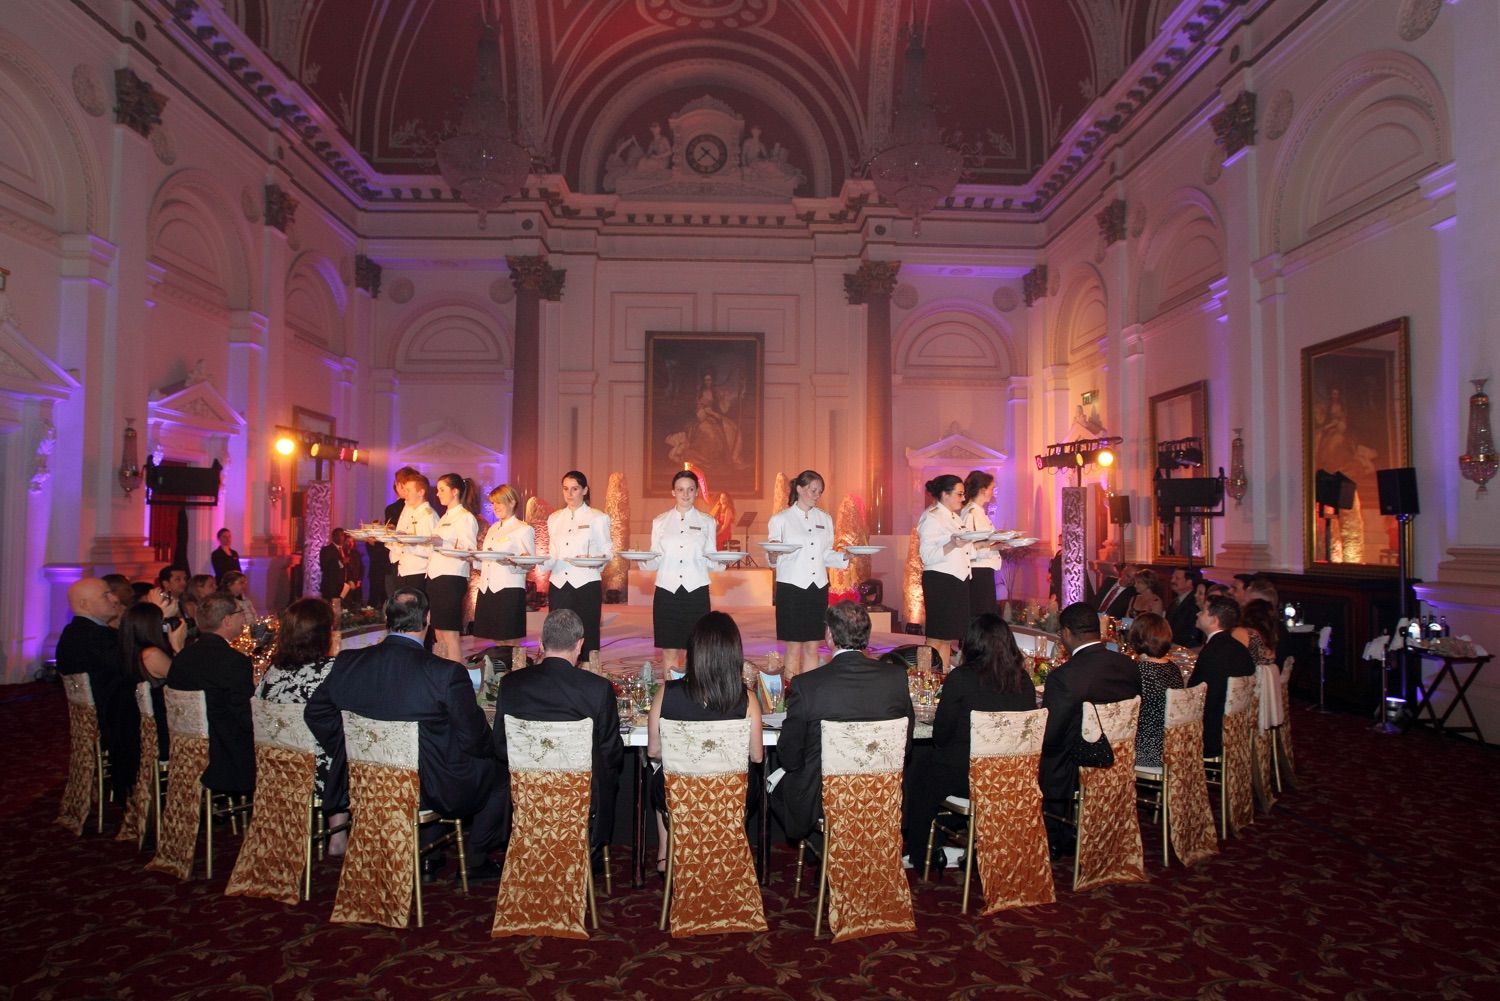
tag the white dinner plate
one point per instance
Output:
(1005, 536)
(780, 547)
(588, 562)
(490, 554)
(1020, 543)
(862, 550)
(639, 555)
(973, 536)
(725, 557)
(458, 554)
(529, 561)
(413, 540)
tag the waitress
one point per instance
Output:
(448, 576)
(979, 490)
(417, 518)
(578, 530)
(802, 576)
(684, 536)
(500, 609)
(945, 565)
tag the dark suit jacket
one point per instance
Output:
(849, 688)
(331, 568)
(86, 647)
(223, 675)
(1182, 616)
(963, 692)
(556, 691)
(223, 562)
(1222, 657)
(1120, 607)
(398, 680)
(1096, 674)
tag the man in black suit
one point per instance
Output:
(331, 583)
(1093, 673)
(1222, 657)
(1182, 613)
(849, 688)
(90, 645)
(224, 559)
(397, 679)
(556, 691)
(1114, 599)
(223, 674)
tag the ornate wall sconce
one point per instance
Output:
(1480, 463)
(274, 490)
(130, 460)
(1238, 484)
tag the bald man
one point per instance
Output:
(90, 645)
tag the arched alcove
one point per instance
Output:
(452, 336)
(1182, 256)
(315, 301)
(193, 236)
(1082, 316)
(954, 341)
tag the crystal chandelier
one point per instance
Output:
(917, 171)
(482, 163)
(1480, 463)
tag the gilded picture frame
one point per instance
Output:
(704, 399)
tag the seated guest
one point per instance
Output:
(1220, 659)
(1148, 641)
(235, 583)
(223, 674)
(1259, 630)
(1260, 587)
(397, 679)
(713, 688)
(557, 690)
(120, 585)
(849, 688)
(306, 643)
(991, 677)
(147, 647)
(1145, 598)
(1092, 673)
(90, 645)
(173, 580)
(1182, 612)
(199, 586)
(1117, 594)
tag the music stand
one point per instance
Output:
(746, 520)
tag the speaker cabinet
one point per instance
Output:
(1206, 492)
(1119, 509)
(1334, 490)
(1398, 490)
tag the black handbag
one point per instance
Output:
(1093, 753)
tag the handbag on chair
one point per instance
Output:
(1092, 753)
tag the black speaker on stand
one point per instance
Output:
(1398, 498)
(1334, 492)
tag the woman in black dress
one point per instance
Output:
(147, 649)
(713, 688)
(990, 678)
(1149, 639)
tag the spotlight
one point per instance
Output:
(315, 449)
(354, 456)
(285, 445)
(1106, 457)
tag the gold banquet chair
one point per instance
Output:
(861, 876)
(275, 860)
(1004, 827)
(1109, 831)
(145, 799)
(1233, 769)
(382, 866)
(547, 882)
(1281, 740)
(711, 885)
(88, 764)
(1267, 783)
(1178, 789)
(188, 799)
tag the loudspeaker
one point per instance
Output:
(1334, 490)
(1189, 492)
(1119, 509)
(1398, 490)
(183, 481)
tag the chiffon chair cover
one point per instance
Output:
(377, 880)
(1189, 819)
(545, 886)
(867, 889)
(84, 788)
(711, 885)
(1005, 750)
(1109, 831)
(273, 861)
(1241, 709)
(1270, 713)
(143, 798)
(1284, 732)
(177, 840)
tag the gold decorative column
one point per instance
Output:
(871, 285)
(535, 280)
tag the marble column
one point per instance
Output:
(535, 280)
(871, 286)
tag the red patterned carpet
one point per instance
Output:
(1377, 878)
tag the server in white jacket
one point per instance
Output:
(945, 565)
(448, 576)
(684, 536)
(575, 530)
(500, 609)
(802, 576)
(979, 491)
(417, 518)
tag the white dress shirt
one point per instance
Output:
(976, 519)
(683, 538)
(459, 530)
(935, 529)
(580, 532)
(420, 520)
(812, 530)
(509, 536)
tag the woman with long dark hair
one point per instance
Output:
(448, 576)
(575, 531)
(802, 576)
(990, 677)
(684, 536)
(1261, 628)
(712, 689)
(984, 563)
(945, 565)
(146, 652)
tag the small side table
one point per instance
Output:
(1451, 670)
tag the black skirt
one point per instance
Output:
(587, 601)
(799, 613)
(445, 601)
(982, 592)
(416, 581)
(675, 613)
(945, 605)
(500, 615)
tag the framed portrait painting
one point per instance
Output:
(1179, 437)
(703, 406)
(1356, 419)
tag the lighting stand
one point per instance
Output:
(1403, 658)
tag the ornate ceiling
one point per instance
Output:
(1007, 77)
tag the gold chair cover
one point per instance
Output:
(375, 884)
(867, 889)
(138, 810)
(1285, 733)
(274, 853)
(1010, 839)
(83, 776)
(1109, 831)
(179, 821)
(1264, 784)
(1192, 819)
(1240, 720)
(544, 887)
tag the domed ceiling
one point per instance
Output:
(1006, 77)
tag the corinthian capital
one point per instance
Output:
(871, 280)
(532, 273)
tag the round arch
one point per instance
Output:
(1181, 255)
(193, 233)
(316, 300)
(1082, 315)
(452, 335)
(956, 336)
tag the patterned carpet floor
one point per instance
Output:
(1377, 878)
